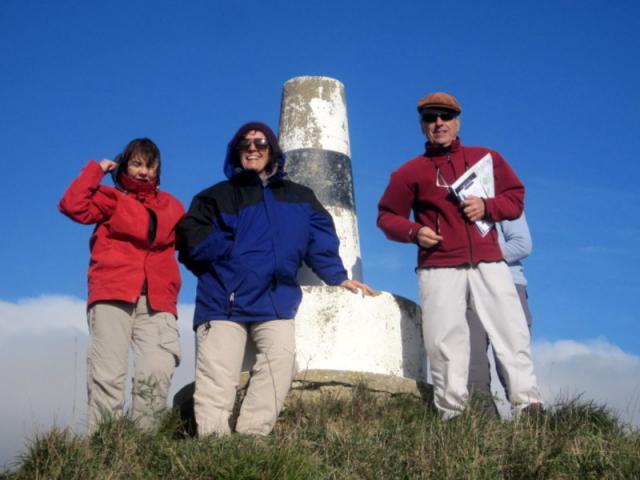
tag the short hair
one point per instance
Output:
(141, 147)
(138, 147)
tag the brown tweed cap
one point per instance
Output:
(439, 100)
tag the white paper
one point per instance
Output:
(477, 181)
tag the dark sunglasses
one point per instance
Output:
(259, 143)
(430, 117)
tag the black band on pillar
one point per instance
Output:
(327, 173)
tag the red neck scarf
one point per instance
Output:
(142, 190)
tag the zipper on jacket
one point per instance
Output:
(466, 223)
(267, 207)
(232, 299)
(152, 230)
(466, 226)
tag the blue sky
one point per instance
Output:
(552, 85)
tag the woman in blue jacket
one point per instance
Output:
(245, 239)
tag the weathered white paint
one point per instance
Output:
(313, 114)
(336, 329)
(339, 330)
(346, 224)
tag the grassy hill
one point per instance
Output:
(359, 437)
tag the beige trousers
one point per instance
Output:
(443, 296)
(220, 351)
(114, 328)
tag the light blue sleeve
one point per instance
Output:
(515, 239)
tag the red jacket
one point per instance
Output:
(413, 187)
(121, 256)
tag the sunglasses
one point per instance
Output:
(430, 117)
(259, 143)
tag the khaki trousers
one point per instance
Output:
(115, 327)
(479, 366)
(220, 351)
(443, 295)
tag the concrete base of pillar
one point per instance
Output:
(340, 330)
(312, 385)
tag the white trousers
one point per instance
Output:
(220, 351)
(444, 293)
(114, 328)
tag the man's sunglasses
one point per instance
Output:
(259, 143)
(430, 117)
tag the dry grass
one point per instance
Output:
(363, 437)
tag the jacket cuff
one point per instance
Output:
(337, 279)
(412, 234)
(486, 209)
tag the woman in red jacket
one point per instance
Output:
(133, 281)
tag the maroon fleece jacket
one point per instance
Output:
(413, 187)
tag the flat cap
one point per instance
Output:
(439, 100)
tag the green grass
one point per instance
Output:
(363, 437)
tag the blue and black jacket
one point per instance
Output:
(245, 241)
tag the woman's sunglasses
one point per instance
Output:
(259, 143)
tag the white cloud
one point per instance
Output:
(47, 313)
(43, 342)
(42, 314)
(597, 370)
(594, 370)
(42, 364)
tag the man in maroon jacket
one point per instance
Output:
(457, 263)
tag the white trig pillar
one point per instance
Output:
(337, 330)
(314, 135)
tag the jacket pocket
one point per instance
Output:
(235, 287)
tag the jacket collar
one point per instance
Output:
(141, 190)
(432, 150)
